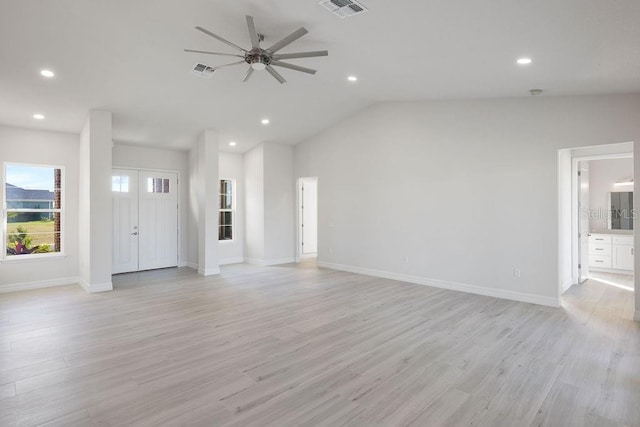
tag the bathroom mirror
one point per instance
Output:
(621, 217)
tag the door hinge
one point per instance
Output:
(579, 173)
(579, 266)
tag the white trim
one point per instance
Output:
(566, 286)
(208, 272)
(254, 261)
(193, 265)
(40, 284)
(95, 287)
(33, 257)
(445, 284)
(227, 261)
(182, 264)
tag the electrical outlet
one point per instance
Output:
(516, 273)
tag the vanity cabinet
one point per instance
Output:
(611, 252)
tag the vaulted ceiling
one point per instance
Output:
(127, 57)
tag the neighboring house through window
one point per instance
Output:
(227, 206)
(33, 209)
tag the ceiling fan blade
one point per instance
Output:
(229, 65)
(212, 53)
(301, 55)
(275, 74)
(293, 67)
(255, 42)
(215, 36)
(288, 40)
(246, 76)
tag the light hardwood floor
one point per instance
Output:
(297, 345)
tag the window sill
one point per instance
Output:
(226, 241)
(26, 258)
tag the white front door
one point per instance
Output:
(158, 220)
(145, 220)
(124, 187)
(309, 216)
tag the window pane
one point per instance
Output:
(225, 233)
(225, 186)
(31, 187)
(115, 183)
(33, 233)
(226, 218)
(157, 185)
(225, 201)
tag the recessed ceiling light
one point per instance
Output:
(38, 116)
(352, 78)
(47, 73)
(265, 121)
(524, 61)
(232, 143)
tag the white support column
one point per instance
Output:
(207, 202)
(95, 216)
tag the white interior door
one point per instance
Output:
(583, 219)
(309, 216)
(158, 220)
(124, 186)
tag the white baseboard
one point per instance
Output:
(94, 288)
(183, 264)
(208, 271)
(254, 261)
(193, 265)
(227, 261)
(39, 284)
(566, 286)
(444, 284)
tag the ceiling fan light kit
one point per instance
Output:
(262, 59)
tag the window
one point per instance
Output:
(33, 210)
(227, 205)
(120, 184)
(157, 185)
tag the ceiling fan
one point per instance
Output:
(263, 59)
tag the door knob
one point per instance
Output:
(134, 234)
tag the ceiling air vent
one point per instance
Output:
(203, 70)
(343, 8)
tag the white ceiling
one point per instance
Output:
(126, 57)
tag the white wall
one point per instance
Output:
(232, 167)
(95, 203)
(603, 174)
(279, 204)
(456, 193)
(47, 148)
(254, 232)
(207, 193)
(136, 157)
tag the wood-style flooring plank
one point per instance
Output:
(296, 345)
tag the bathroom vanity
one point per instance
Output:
(611, 252)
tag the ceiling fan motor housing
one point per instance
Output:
(258, 59)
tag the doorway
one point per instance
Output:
(307, 217)
(145, 220)
(596, 239)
